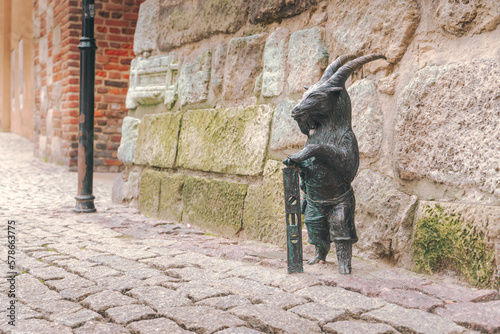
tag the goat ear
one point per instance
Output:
(307, 87)
(335, 90)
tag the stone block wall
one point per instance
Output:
(57, 70)
(213, 85)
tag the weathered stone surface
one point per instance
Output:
(194, 78)
(243, 65)
(272, 10)
(181, 22)
(197, 291)
(367, 117)
(319, 313)
(388, 84)
(217, 75)
(264, 208)
(77, 318)
(271, 319)
(457, 293)
(170, 205)
(106, 299)
(39, 326)
(411, 299)
(341, 299)
(381, 26)
(203, 319)
(283, 300)
(94, 327)
(156, 326)
(413, 320)
(214, 204)
(146, 31)
(238, 330)
(160, 298)
(152, 81)
(468, 17)
(349, 327)
(157, 142)
(149, 192)
(307, 58)
(225, 140)
(130, 133)
(440, 102)
(128, 313)
(48, 273)
(273, 76)
(225, 303)
(479, 316)
(285, 133)
(383, 216)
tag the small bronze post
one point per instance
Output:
(293, 219)
(84, 198)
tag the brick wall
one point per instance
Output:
(57, 69)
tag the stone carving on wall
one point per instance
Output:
(153, 80)
(329, 161)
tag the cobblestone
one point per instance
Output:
(116, 271)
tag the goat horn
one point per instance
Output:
(333, 67)
(340, 77)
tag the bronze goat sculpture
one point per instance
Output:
(329, 161)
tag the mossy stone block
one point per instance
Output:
(170, 205)
(225, 140)
(264, 216)
(157, 142)
(213, 204)
(460, 237)
(149, 192)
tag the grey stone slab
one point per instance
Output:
(272, 319)
(197, 291)
(94, 327)
(319, 313)
(341, 299)
(128, 313)
(120, 283)
(225, 303)
(76, 319)
(413, 320)
(38, 326)
(194, 79)
(457, 293)
(480, 316)
(71, 281)
(156, 326)
(273, 75)
(411, 299)
(48, 273)
(160, 298)
(56, 307)
(358, 327)
(245, 287)
(283, 300)
(238, 330)
(203, 319)
(106, 299)
(79, 293)
(23, 312)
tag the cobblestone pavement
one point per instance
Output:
(116, 271)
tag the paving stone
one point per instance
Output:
(245, 287)
(341, 299)
(480, 316)
(120, 283)
(413, 320)
(48, 273)
(38, 326)
(93, 327)
(197, 291)
(56, 307)
(282, 300)
(103, 300)
(411, 299)
(457, 293)
(192, 273)
(77, 318)
(156, 326)
(128, 313)
(358, 327)
(272, 319)
(319, 313)
(79, 293)
(24, 312)
(160, 298)
(71, 281)
(238, 330)
(203, 319)
(98, 272)
(225, 303)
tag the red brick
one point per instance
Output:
(116, 52)
(112, 162)
(116, 23)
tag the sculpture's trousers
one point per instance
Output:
(331, 221)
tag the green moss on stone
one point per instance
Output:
(157, 141)
(170, 206)
(264, 216)
(445, 241)
(149, 192)
(214, 204)
(225, 140)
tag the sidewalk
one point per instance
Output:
(116, 271)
